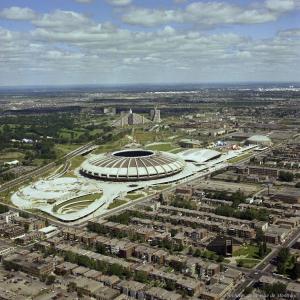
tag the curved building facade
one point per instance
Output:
(199, 156)
(132, 165)
(262, 140)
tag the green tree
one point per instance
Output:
(286, 176)
(274, 290)
(283, 258)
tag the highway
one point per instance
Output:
(82, 222)
(44, 169)
(40, 172)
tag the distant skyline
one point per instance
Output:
(68, 42)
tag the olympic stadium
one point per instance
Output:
(103, 178)
(132, 165)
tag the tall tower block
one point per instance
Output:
(155, 115)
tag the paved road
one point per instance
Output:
(263, 267)
(39, 172)
(156, 194)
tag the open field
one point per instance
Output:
(240, 158)
(160, 147)
(63, 149)
(250, 251)
(247, 262)
(13, 155)
(248, 256)
(75, 162)
(116, 203)
(78, 202)
(134, 196)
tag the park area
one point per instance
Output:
(248, 256)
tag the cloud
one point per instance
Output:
(18, 13)
(70, 47)
(151, 17)
(210, 14)
(179, 1)
(119, 2)
(62, 20)
(290, 33)
(280, 6)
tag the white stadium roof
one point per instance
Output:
(259, 138)
(132, 165)
(199, 156)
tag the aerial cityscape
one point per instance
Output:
(149, 150)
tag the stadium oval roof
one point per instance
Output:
(132, 165)
(259, 139)
(199, 156)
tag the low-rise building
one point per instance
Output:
(275, 234)
(132, 289)
(156, 293)
(31, 263)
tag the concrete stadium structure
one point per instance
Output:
(199, 156)
(261, 140)
(78, 199)
(132, 165)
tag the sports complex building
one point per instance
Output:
(132, 165)
(105, 177)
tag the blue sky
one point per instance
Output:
(139, 41)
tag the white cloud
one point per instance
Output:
(119, 2)
(62, 20)
(18, 13)
(280, 5)
(84, 1)
(69, 47)
(179, 1)
(210, 13)
(151, 17)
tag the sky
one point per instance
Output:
(63, 42)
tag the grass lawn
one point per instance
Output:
(88, 198)
(250, 256)
(116, 203)
(95, 131)
(161, 147)
(71, 134)
(239, 158)
(110, 147)
(134, 196)
(5, 196)
(250, 251)
(144, 137)
(161, 187)
(75, 163)
(63, 149)
(40, 162)
(247, 262)
(8, 156)
(177, 150)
